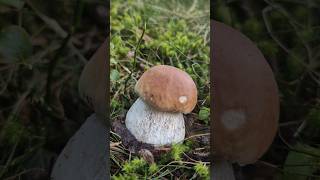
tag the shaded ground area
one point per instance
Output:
(43, 48)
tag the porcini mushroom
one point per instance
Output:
(85, 155)
(156, 117)
(93, 81)
(246, 102)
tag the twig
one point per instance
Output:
(290, 123)
(197, 135)
(135, 56)
(54, 25)
(114, 144)
(300, 129)
(291, 148)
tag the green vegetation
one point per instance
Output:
(144, 34)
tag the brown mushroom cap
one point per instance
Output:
(246, 102)
(167, 89)
(93, 81)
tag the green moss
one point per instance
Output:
(202, 170)
(134, 165)
(204, 114)
(177, 151)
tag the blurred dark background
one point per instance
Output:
(44, 46)
(288, 34)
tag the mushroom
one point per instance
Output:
(156, 117)
(93, 81)
(246, 101)
(85, 155)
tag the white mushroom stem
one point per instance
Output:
(85, 155)
(154, 127)
(222, 170)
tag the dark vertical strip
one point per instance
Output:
(211, 9)
(211, 95)
(212, 85)
(108, 89)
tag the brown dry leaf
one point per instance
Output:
(147, 156)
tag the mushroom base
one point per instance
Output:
(154, 127)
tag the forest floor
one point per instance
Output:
(145, 34)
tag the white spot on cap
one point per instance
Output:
(183, 99)
(233, 119)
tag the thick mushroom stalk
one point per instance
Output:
(156, 117)
(84, 156)
(155, 127)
